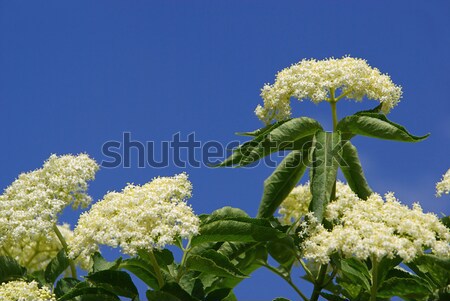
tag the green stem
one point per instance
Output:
(343, 95)
(334, 113)
(6, 252)
(181, 269)
(288, 280)
(156, 268)
(333, 100)
(307, 271)
(374, 288)
(36, 252)
(73, 269)
(319, 283)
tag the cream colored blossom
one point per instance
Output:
(297, 202)
(29, 207)
(377, 228)
(443, 187)
(25, 291)
(295, 205)
(311, 79)
(35, 254)
(140, 217)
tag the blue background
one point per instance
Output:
(75, 74)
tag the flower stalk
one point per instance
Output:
(156, 268)
(374, 287)
(288, 280)
(73, 269)
(182, 267)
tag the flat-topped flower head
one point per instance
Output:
(29, 207)
(35, 253)
(319, 80)
(140, 217)
(376, 229)
(25, 291)
(443, 187)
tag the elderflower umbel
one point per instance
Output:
(296, 204)
(140, 217)
(25, 291)
(375, 229)
(311, 79)
(29, 207)
(35, 254)
(443, 187)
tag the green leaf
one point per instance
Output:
(38, 276)
(192, 283)
(446, 221)
(403, 287)
(294, 134)
(218, 295)
(170, 292)
(64, 285)
(283, 251)
(261, 131)
(165, 262)
(376, 126)
(377, 109)
(248, 258)
(230, 224)
(198, 290)
(288, 135)
(118, 282)
(385, 266)
(281, 182)
(281, 299)
(212, 262)
(231, 297)
(326, 153)
(246, 147)
(164, 257)
(10, 269)
(432, 268)
(331, 297)
(101, 264)
(89, 293)
(224, 213)
(161, 296)
(352, 290)
(353, 172)
(56, 266)
(141, 269)
(356, 271)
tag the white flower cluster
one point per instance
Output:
(443, 187)
(35, 254)
(375, 229)
(30, 206)
(296, 204)
(140, 217)
(312, 79)
(25, 291)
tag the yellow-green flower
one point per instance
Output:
(25, 291)
(30, 206)
(140, 217)
(443, 187)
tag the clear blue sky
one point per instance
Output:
(75, 74)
